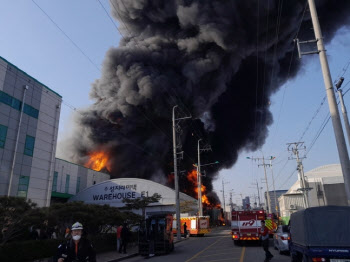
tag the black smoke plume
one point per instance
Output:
(218, 60)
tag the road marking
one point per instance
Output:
(242, 255)
(219, 254)
(225, 259)
(196, 255)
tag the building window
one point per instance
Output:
(78, 185)
(67, 184)
(23, 186)
(54, 182)
(30, 111)
(29, 146)
(17, 104)
(3, 134)
(5, 98)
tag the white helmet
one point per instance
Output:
(77, 226)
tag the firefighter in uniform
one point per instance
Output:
(77, 249)
(264, 232)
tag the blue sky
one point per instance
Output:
(31, 41)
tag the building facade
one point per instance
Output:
(274, 195)
(114, 191)
(69, 179)
(325, 187)
(29, 117)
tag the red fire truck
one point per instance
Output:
(245, 225)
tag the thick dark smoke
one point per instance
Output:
(217, 60)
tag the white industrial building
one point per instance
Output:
(326, 187)
(29, 119)
(112, 192)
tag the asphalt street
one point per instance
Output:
(216, 246)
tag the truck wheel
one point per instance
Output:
(172, 247)
(236, 242)
(306, 258)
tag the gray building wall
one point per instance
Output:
(75, 172)
(334, 194)
(41, 111)
(273, 200)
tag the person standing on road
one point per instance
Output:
(77, 248)
(185, 230)
(119, 240)
(264, 232)
(125, 238)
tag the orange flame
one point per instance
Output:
(98, 160)
(192, 177)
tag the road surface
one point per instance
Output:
(216, 246)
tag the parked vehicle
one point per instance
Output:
(281, 238)
(245, 225)
(196, 225)
(320, 234)
(156, 230)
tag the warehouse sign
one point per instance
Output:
(114, 191)
(114, 196)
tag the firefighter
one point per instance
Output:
(185, 230)
(77, 249)
(264, 233)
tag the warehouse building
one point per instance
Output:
(113, 192)
(69, 179)
(29, 119)
(325, 187)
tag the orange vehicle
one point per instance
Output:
(245, 225)
(196, 225)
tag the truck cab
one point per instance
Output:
(156, 230)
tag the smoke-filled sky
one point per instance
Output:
(218, 60)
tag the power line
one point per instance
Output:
(289, 70)
(70, 39)
(324, 124)
(110, 18)
(313, 117)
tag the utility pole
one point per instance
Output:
(343, 108)
(199, 177)
(257, 187)
(273, 185)
(223, 197)
(177, 195)
(267, 184)
(333, 109)
(199, 181)
(294, 147)
(231, 205)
